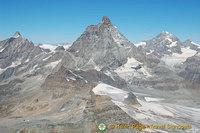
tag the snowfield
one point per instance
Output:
(112, 92)
(176, 59)
(152, 110)
(127, 71)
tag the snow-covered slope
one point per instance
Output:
(168, 49)
(131, 69)
(112, 92)
(177, 59)
(151, 110)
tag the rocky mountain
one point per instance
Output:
(13, 50)
(192, 45)
(180, 57)
(22, 62)
(103, 45)
(164, 43)
(191, 70)
(168, 49)
(19, 56)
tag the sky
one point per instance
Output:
(63, 21)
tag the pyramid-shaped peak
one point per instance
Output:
(105, 21)
(105, 18)
(17, 34)
(166, 36)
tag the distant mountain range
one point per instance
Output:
(54, 83)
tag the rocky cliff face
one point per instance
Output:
(192, 45)
(191, 69)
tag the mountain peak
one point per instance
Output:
(187, 41)
(105, 21)
(165, 32)
(17, 34)
(167, 35)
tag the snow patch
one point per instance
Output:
(76, 74)
(107, 90)
(48, 46)
(169, 39)
(132, 62)
(33, 69)
(127, 71)
(27, 60)
(108, 73)
(151, 99)
(47, 57)
(151, 51)
(1, 70)
(2, 49)
(14, 64)
(142, 44)
(196, 44)
(173, 44)
(16, 36)
(53, 64)
(66, 46)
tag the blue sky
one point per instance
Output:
(57, 21)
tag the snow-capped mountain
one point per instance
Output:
(168, 49)
(176, 55)
(164, 43)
